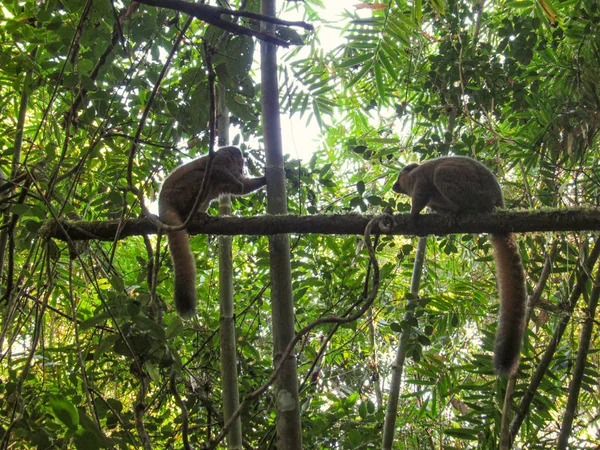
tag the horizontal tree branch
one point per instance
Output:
(436, 224)
(214, 16)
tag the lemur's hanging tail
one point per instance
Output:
(513, 298)
(184, 266)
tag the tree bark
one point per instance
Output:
(392, 407)
(437, 224)
(582, 353)
(229, 375)
(289, 432)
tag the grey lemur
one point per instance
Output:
(456, 184)
(176, 200)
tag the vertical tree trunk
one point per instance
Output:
(16, 160)
(374, 349)
(582, 353)
(392, 406)
(289, 433)
(229, 376)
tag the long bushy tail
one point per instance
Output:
(513, 299)
(184, 267)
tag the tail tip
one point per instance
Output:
(186, 313)
(185, 304)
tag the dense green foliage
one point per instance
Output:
(86, 337)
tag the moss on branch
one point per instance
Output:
(436, 224)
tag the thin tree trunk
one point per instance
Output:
(375, 360)
(289, 432)
(389, 424)
(16, 159)
(582, 353)
(229, 375)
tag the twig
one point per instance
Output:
(84, 377)
(325, 342)
(117, 35)
(139, 410)
(185, 417)
(142, 122)
(211, 143)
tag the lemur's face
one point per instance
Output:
(233, 159)
(399, 185)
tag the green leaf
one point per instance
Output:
(239, 66)
(362, 411)
(424, 340)
(117, 283)
(91, 436)
(153, 372)
(390, 69)
(28, 210)
(375, 200)
(33, 226)
(379, 82)
(87, 441)
(462, 433)
(360, 187)
(395, 327)
(290, 35)
(64, 411)
(360, 74)
(356, 60)
(94, 321)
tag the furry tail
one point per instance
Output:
(513, 299)
(184, 266)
